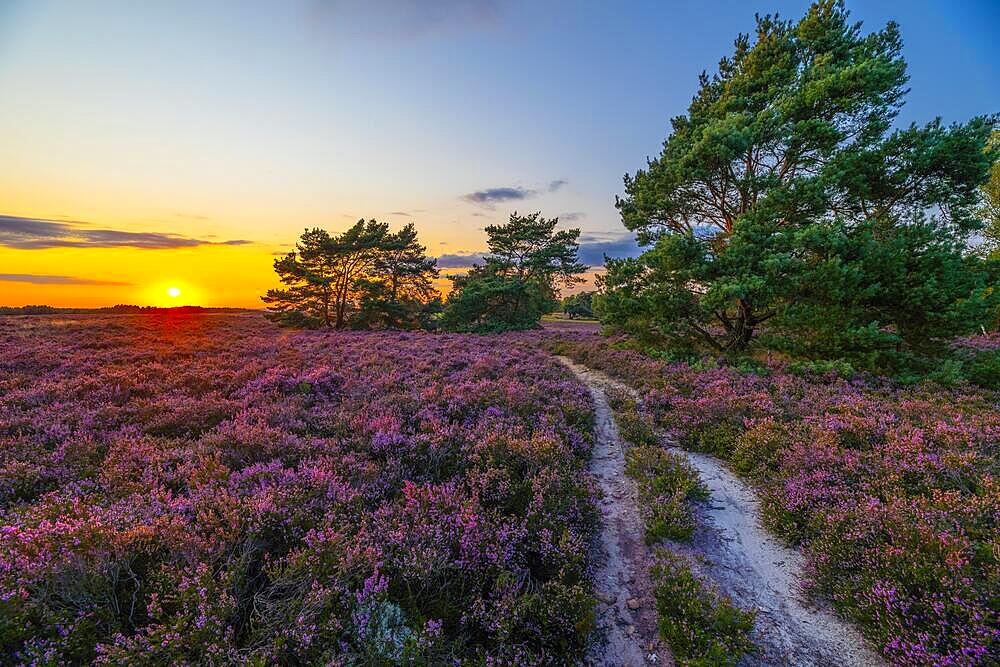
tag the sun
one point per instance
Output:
(173, 292)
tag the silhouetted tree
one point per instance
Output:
(400, 285)
(330, 278)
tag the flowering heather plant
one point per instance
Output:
(892, 491)
(190, 489)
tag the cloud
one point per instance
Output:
(492, 196)
(460, 260)
(402, 213)
(39, 233)
(572, 216)
(38, 279)
(595, 245)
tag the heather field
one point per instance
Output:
(210, 488)
(192, 489)
(892, 492)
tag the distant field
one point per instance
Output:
(189, 488)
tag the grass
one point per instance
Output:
(702, 627)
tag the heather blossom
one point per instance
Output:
(208, 488)
(891, 490)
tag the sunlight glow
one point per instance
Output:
(173, 292)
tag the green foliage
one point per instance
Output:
(983, 369)
(835, 367)
(702, 627)
(783, 205)
(667, 484)
(990, 210)
(366, 277)
(716, 439)
(517, 284)
(757, 451)
(579, 305)
(635, 428)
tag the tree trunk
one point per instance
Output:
(744, 330)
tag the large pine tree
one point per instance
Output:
(785, 197)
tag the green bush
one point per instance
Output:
(716, 439)
(666, 485)
(702, 627)
(634, 427)
(984, 369)
(838, 367)
(757, 451)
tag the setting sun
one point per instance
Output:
(173, 292)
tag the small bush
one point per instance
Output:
(666, 484)
(757, 452)
(702, 627)
(633, 426)
(837, 367)
(716, 439)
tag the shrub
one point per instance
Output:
(666, 485)
(702, 627)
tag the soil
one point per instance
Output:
(730, 547)
(626, 608)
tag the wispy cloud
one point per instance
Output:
(402, 213)
(493, 196)
(39, 279)
(490, 197)
(40, 233)
(572, 216)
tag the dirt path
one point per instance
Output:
(754, 568)
(626, 608)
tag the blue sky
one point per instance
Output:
(252, 120)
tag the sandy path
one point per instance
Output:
(626, 608)
(755, 569)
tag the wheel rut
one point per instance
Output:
(626, 608)
(730, 547)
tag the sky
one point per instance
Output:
(184, 144)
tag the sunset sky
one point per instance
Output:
(149, 145)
